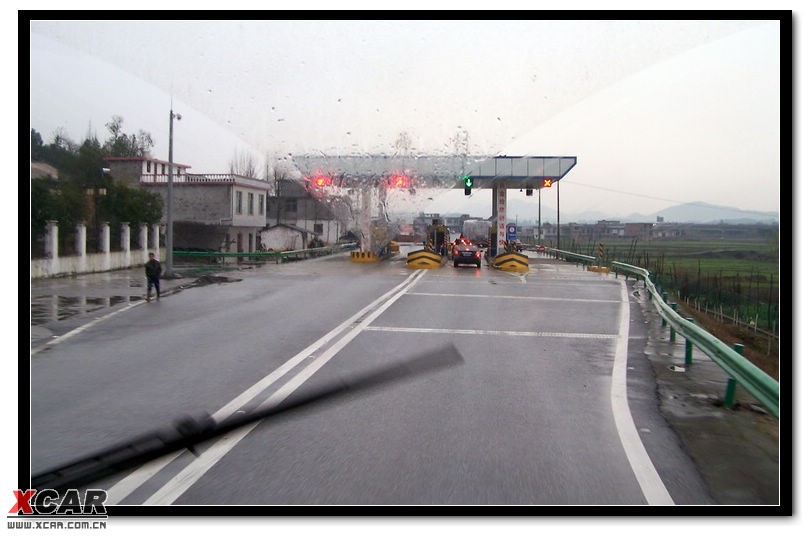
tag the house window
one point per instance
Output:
(261, 204)
(250, 203)
(238, 202)
(318, 228)
(162, 169)
(291, 205)
(149, 166)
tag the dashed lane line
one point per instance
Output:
(490, 296)
(494, 332)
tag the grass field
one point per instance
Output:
(754, 260)
(738, 277)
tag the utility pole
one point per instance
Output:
(169, 272)
(558, 215)
(539, 217)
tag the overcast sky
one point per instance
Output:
(656, 112)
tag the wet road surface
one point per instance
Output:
(736, 450)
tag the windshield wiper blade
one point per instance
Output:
(188, 431)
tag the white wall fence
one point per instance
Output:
(80, 262)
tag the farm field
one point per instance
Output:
(730, 287)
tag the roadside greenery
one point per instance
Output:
(736, 278)
(84, 191)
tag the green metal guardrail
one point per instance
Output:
(567, 255)
(278, 255)
(757, 382)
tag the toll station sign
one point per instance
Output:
(511, 231)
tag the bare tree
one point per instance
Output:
(277, 170)
(461, 142)
(243, 163)
(63, 141)
(404, 144)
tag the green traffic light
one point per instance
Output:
(467, 181)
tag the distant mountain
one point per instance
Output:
(698, 212)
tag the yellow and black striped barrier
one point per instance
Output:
(364, 256)
(424, 259)
(511, 262)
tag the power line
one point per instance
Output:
(635, 194)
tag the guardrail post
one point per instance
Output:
(674, 307)
(731, 386)
(688, 354)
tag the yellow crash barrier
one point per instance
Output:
(363, 256)
(512, 262)
(424, 259)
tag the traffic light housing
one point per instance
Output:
(468, 183)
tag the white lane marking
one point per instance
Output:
(539, 298)
(121, 489)
(78, 330)
(199, 466)
(495, 332)
(651, 485)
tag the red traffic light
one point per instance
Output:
(399, 180)
(321, 180)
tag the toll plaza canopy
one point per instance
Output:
(424, 170)
(440, 171)
(521, 172)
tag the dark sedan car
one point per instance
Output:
(465, 252)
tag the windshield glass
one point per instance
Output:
(228, 217)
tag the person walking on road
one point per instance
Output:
(153, 270)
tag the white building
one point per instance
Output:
(212, 211)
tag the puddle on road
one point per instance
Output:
(56, 308)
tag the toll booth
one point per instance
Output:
(434, 252)
(525, 173)
(437, 237)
